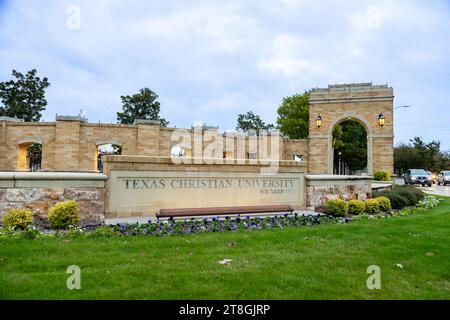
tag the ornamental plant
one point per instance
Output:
(384, 203)
(382, 176)
(218, 224)
(413, 195)
(64, 215)
(17, 219)
(356, 207)
(372, 206)
(337, 207)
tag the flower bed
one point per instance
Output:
(171, 226)
(428, 202)
(181, 227)
(188, 226)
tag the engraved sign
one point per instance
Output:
(145, 192)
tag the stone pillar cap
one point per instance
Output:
(70, 118)
(145, 121)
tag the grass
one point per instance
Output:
(321, 262)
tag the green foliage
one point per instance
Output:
(382, 176)
(337, 207)
(250, 121)
(17, 219)
(420, 155)
(385, 203)
(24, 97)
(350, 139)
(356, 207)
(372, 206)
(412, 194)
(401, 196)
(293, 116)
(29, 233)
(103, 232)
(142, 105)
(397, 201)
(64, 215)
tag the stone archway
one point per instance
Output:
(360, 102)
(29, 157)
(105, 147)
(351, 116)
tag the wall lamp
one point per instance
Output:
(318, 121)
(381, 119)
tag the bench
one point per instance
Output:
(220, 211)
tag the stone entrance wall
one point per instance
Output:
(41, 191)
(70, 143)
(321, 188)
(140, 186)
(124, 194)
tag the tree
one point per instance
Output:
(420, 155)
(24, 97)
(142, 105)
(250, 121)
(293, 116)
(350, 140)
(405, 157)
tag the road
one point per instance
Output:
(434, 189)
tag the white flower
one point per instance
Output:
(400, 266)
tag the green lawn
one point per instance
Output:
(321, 262)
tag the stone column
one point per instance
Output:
(148, 137)
(67, 143)
(3, 164)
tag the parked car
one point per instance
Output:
(418, 176)
(443, 178)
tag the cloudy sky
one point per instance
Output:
(211, 60)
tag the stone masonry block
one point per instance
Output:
(23, 194)
(82, 194)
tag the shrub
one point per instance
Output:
(63, 215)
(372, 206)
(401, 196)
(337, 207)
(382, 176)
(397, 201)
(384, 203)
(412, 194)
(356, 207)
(17, 219)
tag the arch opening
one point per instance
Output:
(103, 150)
(350, 148)
(30, 157)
